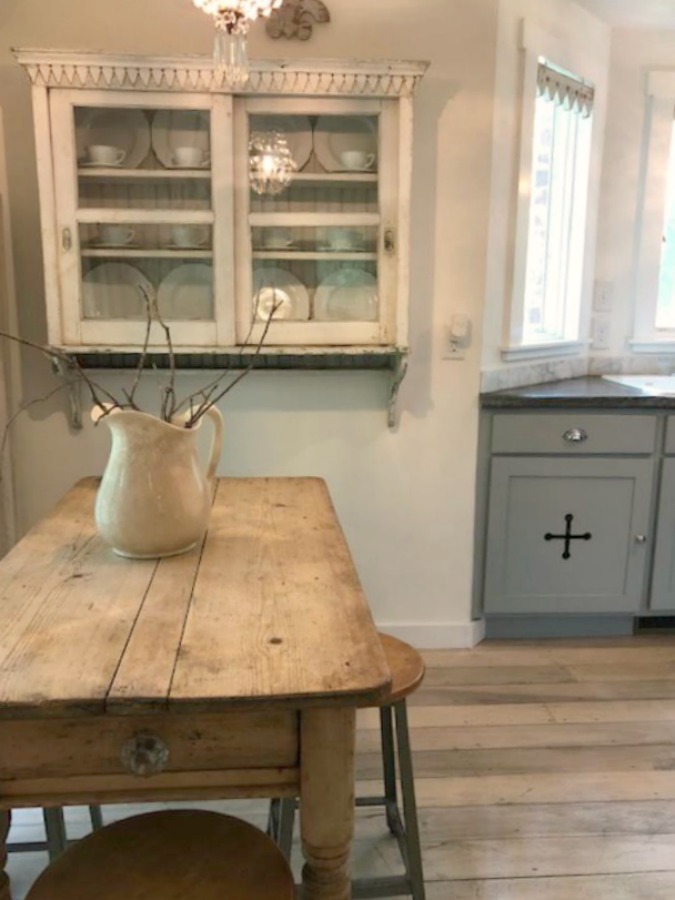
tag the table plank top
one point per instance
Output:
(268, 610)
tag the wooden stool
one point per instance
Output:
(178, 854)
(407, 672)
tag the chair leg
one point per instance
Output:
(389, 769)
(414, 861)
(55, 831)
(96, 817)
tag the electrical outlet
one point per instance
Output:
(602, 296)
(452, 349)
(600, 332)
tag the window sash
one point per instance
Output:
(556, 223)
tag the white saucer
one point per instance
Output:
(204, 165)
(100, 246)
(89, 164)
(203, 246)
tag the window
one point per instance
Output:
(654, 329)
(665, 306)
(557, 209)
(551, 241)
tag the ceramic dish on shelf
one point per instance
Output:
(111, 291)
(296, 129)
(187, 292)
(347, 295)
(336, 135)
(176, 129)
(274, 286)
(125, 129)
(99, 245)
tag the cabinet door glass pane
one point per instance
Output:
(315, 242)
(144, 210)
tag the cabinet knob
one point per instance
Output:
(640, 538)
(145, 754)
(66, 239)
(575, 435)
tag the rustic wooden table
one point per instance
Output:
(232, 671)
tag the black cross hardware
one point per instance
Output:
(568, 536)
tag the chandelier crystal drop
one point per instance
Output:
(271, 164)
(232, 19)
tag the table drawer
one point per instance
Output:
(573, 433)
(49, 748)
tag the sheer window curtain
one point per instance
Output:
(8, 357)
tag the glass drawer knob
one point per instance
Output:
(575, 435)
(145, 754)
(640, 538)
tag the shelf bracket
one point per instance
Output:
(398, 370)
(69, 372)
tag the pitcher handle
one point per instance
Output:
(213, 413)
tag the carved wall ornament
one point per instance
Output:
(296, 19)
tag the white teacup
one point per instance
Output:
(276, 238)
(189, 157)
(342, 239)
(116, 235)
(356, 160)
(105, 155)
(189, 235)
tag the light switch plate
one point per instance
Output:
(603, 296)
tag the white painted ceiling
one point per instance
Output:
(622, 13)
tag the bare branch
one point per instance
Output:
(24, 406)
(203, 407)
(144, 352)
(71, 362)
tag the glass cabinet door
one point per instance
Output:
(314, 252)
(139, 216)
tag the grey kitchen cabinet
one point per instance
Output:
(568, 513)
(663, 579)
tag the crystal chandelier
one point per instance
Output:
(271, 164)
(232, 19)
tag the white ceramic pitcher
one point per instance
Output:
(155, 496)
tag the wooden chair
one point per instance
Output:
(56, 838)
(407, 672)
(178, 854)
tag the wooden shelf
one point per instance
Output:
(141, 252)
(120, 174)
(353, 255)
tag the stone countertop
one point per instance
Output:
(589, 393)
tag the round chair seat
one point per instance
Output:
(173, 855)
(406, 667)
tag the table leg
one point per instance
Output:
(5, 818)
(327, 801)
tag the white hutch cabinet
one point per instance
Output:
(143, 167)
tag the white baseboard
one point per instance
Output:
(437, 635)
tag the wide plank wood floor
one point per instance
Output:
(545, 771)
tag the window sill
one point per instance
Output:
(541, 351)
(652, 345)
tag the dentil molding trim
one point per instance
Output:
(64, 69)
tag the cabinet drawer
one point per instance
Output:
(572, 433)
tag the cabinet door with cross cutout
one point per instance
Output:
(567, 536)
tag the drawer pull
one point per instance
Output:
(145, 754)
(640, 538)
(575, 435)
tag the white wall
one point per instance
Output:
(405, 497)
(587, 39)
